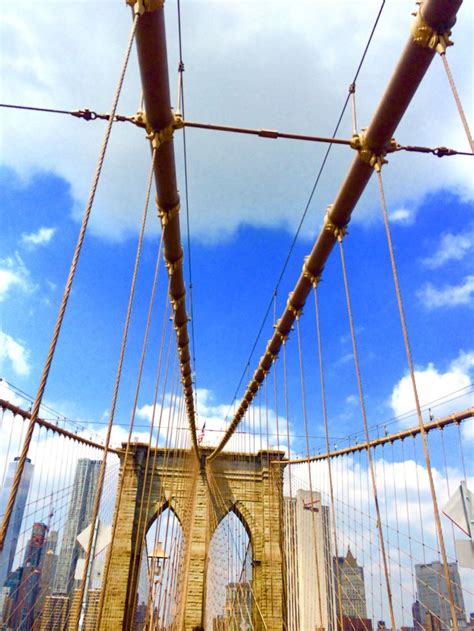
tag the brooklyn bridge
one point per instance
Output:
(272, 513)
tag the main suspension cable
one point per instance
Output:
(306, 209)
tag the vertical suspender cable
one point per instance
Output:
(113, 405)
(457, 99)
(424, 437)
(367, 438)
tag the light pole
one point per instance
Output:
(156, 561)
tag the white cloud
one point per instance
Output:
(40, 237)
(212, 415)
(344, 359)
(275, 177)
(7, 394)
(406, 510)
(452, 247)
(14, 273)
(468, 430)
(444, 392)
(403, 216)
(16, 353)
(447, 296)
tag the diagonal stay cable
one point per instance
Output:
(407, 76)
(65, 298)
(306, 209)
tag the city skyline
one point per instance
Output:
(433, 597)
(7, 555)
(41, 587)
(30, 586)
(79, 516)
(311, 600)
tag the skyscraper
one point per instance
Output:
(24, 598)
(79, 516)
(351, 580)
(48, 571)
(54, 614)
(309, 562)
(238, 607)
(7, 555)
(433, 594)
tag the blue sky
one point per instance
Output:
(246, 197)
(255, 64)
(231, 293)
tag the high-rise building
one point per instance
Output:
(309, 563)
(79, 517)
(11, 587)
(7, 555)
(140, 616)
(416, 615)
(24, 598)
(238, 607)
(91, 613)
(433, 595)
(47, 571)
(218, 623)
(55, 613)
(351, 582)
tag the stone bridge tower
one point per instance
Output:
(200, 495)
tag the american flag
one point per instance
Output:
(311, 505)
(201, 435)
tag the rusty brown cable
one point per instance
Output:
(125, 458)
(352, 92)
(305, 419)
(326, 432)
(118, 378)
(457, 99)
(452, 419)
(424, 439)
(366, 431)
(65, 297)
(169, 464)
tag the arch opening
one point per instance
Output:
(229, 595)
(157, 597)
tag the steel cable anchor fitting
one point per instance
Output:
(359, 143)
(314, 279)
(145, 6)
(339, 232)
(426, 36)
(160, 136)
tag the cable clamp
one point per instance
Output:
(145, 6)
(313, 279)
(253, 387)
(172, 266)
(139, 119)
(166, 215)
(339, 232)
(359, 143)
(165, 134)
(282, 337)
(426, 36)
(273, 356)
(180, 327)
(291, 308)
(176, 303)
